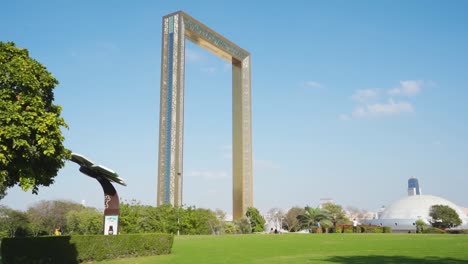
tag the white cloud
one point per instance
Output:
(209, 175)
(407, 88)
(371, 102)
(313, 84)
(382, 109)
(365, 95)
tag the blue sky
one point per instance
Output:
(350, 98)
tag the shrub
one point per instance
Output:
(374, 229)
(344, 229)
(386, 229)
(75, 249)
(433, 230)
(457, 231)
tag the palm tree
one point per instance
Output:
(313, 216)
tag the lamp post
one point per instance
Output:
(178, 210)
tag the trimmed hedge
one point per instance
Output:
(387, 229)
(363, 229)
(433, 230)
(76, 249)
(344, 229)
(457, 231)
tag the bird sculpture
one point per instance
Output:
(96, 171)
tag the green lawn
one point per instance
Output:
(314, 248)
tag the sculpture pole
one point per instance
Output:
(111, 199)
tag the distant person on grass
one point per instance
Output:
(355, 223)
(58, 231)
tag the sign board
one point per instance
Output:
(111, 224)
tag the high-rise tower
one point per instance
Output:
(413, 187)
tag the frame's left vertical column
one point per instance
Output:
(171, 121)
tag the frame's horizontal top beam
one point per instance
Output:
(205, 37)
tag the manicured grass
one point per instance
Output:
(313, 248)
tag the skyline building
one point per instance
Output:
(413, 187)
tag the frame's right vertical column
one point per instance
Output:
(241, 138)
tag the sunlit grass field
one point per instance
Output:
(313, 248)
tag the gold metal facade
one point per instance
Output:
(176, 28)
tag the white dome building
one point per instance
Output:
(402, 214)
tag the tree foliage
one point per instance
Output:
(275, 217)
(313, 216)
(137, 218)
(12, 222)
(420, 225)
(45, 216)
(87, 221)
(243, 226)
(444, 216)
(31, 142)
(336, 213)
(356, 213)
(257, 222)
(290, 221)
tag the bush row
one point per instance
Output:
(349, 229)
(433, 230)
(457, 231)
(76, 249)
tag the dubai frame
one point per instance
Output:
(176, 28)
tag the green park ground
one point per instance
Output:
(313, 248)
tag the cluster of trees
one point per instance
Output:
(73, 218)
(137, 218)
(186, 220)
(330, 215)
(298, 218)
(43, 217)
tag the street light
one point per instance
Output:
(178, 212)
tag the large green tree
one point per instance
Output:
(444, 216)
(31, 142)
(86, 221)
(257, 222)
(290, 222)
(313, 216)
(12, 222)
(336, 213)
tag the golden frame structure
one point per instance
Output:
(176, 28)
